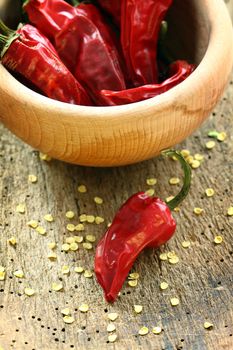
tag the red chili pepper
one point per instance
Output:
(178, 71)
(142, 222)
(83, 41)
(113, 8)
(140, 26)
(29, 53)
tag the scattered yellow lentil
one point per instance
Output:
(208, 325)
(74, 246)
(171, 255)
(82, 189)
(177, 209)
(52, 245)
(218, 239)
(133, 283)
(32, 223)
(174, 301)
(150, 192)
(133, 276)
(112, 338)
(41, 230)
(57, 286)
(230, 211)
(52, 256)
(111, 327)
(70, 227)
(143, 331)
(68, 319)
(198, 156)
(156, 330)
(70, 214)
(45, 157)
(210, 144)
(198, 211)
(2, 275)
(168, 199)
(87, 245)
(174, 260)
(70, 240)
(79, 269)
(65, 270)
(138, 308)
(90, 219)
(174, 181)
(83, 308)
(163, 256)
(32, 178)
(88, 274)
(49, 218)
(190, 159)
(98, 200)
(29, 291)
(209, 192)
(78, 239)
(12, 241)
(186, 244)
(65, 247)
(113, 316)
(79, 227)
(185, 153)
(90, 238)
(21, 208)
(65, 311)
(151, 181)
(222, 136)
(83, 218)
(195, 164)
(19, 274)
(99, 220)
(163, 285)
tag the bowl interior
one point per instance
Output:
(188, 27)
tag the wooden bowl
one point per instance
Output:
(200, 31)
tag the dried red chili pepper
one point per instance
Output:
(29, 53)
(178, 71)
(142, 222)
(113, 8)
(140, 26)
(83, 41)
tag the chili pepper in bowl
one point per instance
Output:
(178, 71)
(113, 8)
(28, 52)
(140, 27)
(142, 222)
(83, 41)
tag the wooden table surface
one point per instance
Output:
(202, 280)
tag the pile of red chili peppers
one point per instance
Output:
(102, 53)
(142, 222)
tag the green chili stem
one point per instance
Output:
(75, 2)
(5, 30)
(187, 178)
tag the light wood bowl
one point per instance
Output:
(200, 31)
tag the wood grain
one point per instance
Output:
(108, 136)
(202, 279)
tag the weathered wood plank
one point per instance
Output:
(202, 279)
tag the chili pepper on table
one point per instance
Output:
(142, 222)
(113, 8)
(178, 71)
(140, 26)
(83, 41)
(28, 52)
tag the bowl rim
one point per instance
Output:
(216, 11)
